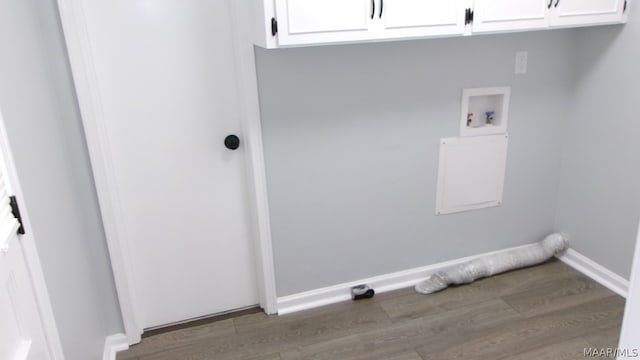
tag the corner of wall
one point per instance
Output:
(598, 201)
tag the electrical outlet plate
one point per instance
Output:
(522, 59)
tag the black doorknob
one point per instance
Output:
(232, 142)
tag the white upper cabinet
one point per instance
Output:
(510, 15)
(419, 18)
(515, 15)
(324, 21)
(586, 12)
(308, 22)
(329, 21)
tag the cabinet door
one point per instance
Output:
(509, 15)
(586, 12)
(323, 21)
(417, 18)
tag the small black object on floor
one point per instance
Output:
(362, 292)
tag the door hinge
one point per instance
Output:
(624, 8)
(15, 210)
(274, 26)
(470, 16)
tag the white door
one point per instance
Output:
(22, 335)
(418, 18)
(325, 21)
(588, 12)
(166, 76)
(509, 15)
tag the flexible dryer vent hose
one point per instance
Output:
(495, 264)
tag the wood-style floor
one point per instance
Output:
(545, 312)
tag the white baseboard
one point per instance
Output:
(383, 283)
(408, 278)
(597, 272)
(114, 344)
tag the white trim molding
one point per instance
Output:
(113, 345)
(383, 283)
(252, 130)
(597, 272)
(84, 76)
(631, 322)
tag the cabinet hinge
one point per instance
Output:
(15, 210)
(274, 26)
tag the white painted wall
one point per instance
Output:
(599, 193)
(351, 139)
(45, 133)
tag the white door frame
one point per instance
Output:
(85, 79)
(631, 324)
(36, 275)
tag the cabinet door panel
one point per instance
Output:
(506, 15)
(319, 21)
(586, 12)
(422, 17)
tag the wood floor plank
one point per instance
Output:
(556, 295)
(320, 324)
(407, 355)
(317, 320)
(413, 305)
(403, 336)
(258, 334)
(573, 349)
(544, 312)
(196, 353)
(180, 338)
(605, 338)
(535, 332)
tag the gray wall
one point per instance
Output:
(351, 141)
(45, 133)
(351, 145)
(599, 197)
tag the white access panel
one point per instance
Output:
(471, 173)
